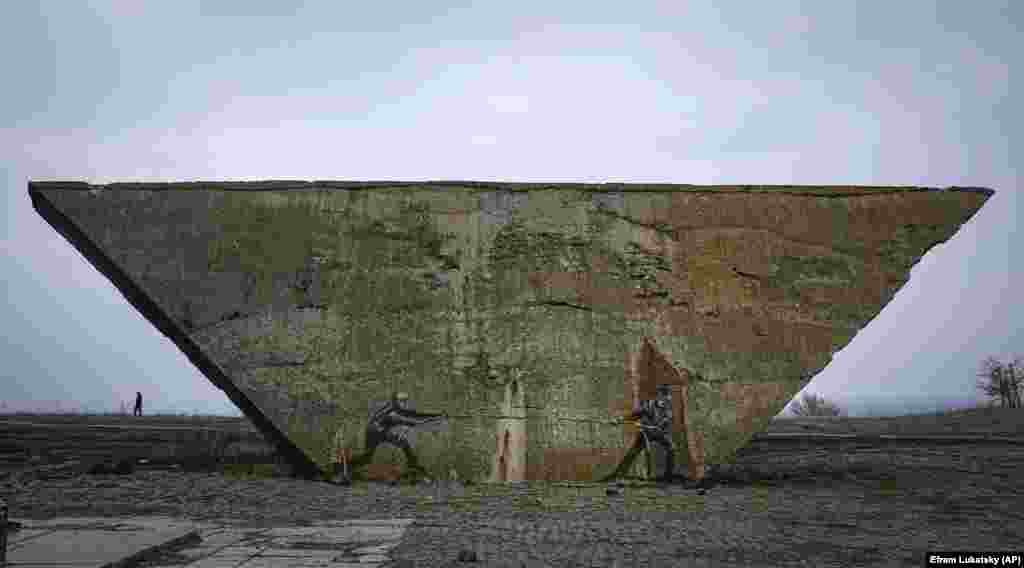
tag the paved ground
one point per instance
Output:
(831, 502)
(873, 508)
(89, 542)
(334, 544)
(84, 542)
(880, 522)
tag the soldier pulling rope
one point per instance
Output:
(391, 423)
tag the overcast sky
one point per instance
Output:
(879, 93)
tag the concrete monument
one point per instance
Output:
(530, 315)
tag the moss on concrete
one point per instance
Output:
(903, 250)
(375, 338)
(451, 292)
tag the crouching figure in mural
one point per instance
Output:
(655, 417)
(390, 425)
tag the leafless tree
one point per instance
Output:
(1004, 381)
(815, 405)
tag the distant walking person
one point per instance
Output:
(138, 405)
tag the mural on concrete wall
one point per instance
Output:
(654, 420)
(393, 424)
(534, 314)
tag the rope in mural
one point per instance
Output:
(535, 416)
(602, 421)
(605, 422)
(394, 422)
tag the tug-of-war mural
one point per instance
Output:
(505, 332)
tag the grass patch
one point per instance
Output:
(759, 491)
(248, 470)
(889, 488)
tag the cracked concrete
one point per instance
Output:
(379, 286)
(161, 541)
(336, 544)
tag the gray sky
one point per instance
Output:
(883, 93)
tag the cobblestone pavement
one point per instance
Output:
(797, 506)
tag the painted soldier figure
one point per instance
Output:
(390, 425)
(655, 418)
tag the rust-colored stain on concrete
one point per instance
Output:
(752, 400)
(531, 312)
(576, 464)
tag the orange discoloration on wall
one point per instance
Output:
(503, 456)
(752, 400)
(451, 217)
(510, 441)
(751, 276)
(343, 455)
(581, 287)
(575, 464)
(677, 320)
(383, 472)
(695, 443)
(650, 369)
(566, 283)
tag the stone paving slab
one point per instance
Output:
(91, 542)
(330, 544)
(891, 503)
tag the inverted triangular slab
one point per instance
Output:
(503, 304)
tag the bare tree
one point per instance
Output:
(1016, 374)
(815, 405)
(1004, 381)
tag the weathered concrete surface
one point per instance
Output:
(111, 542)
(549, 305)
(90, 542)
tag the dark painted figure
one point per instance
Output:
(138, 405)
(389, 425)
(655, 418)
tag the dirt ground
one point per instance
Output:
(974, 421)
(788, 501)
(197, 442)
